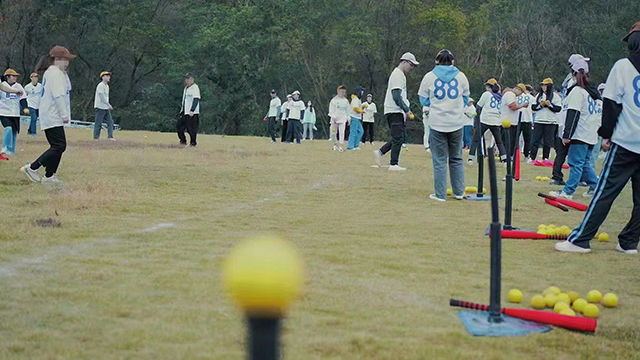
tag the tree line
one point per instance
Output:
(240, 50)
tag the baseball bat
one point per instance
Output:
(518, 234)
(556, 204)
(569, 203)
(542, 317)
(517, 161)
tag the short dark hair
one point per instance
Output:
(444, 57)
(342, 87)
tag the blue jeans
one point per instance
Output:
(34, 113)
(579, 158)
(447, 147)
(355, 134)
(595, 153)
(466, 140)
(103, 115)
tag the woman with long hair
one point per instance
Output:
(580, 132)
(55, 112)
(489, 110)
(309, 122)
(546, 106)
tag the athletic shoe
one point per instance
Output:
(588, 193)
(33, 175)
(469, 162)
(557, 182)
(2, 157)
(378, 157)
(340, 149)
(459, 197)
(112, 139)
(566, 246)
(404, 146)
(4, 151)
(396, 168)
(273, 142)
(371, 143)
(546, 162)
(530, 161)
(335, 148)
(434, 197)
(561, 194)
(630, 252)
(583, 184)
(53, 180)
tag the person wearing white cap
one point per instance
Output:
(103, 107)
(34, 91)
(339, 114)
(568, 80)
(284, 117)
(445, 90)
(397, 111)
(368, 120)
(295, 114)
(580, 131)
(272, 114)
(619, 130)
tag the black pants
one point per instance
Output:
(13, 122)
(368, 132)
(271, 127)
(294, 130)
(525, 130)
(285, 127)
(561, 156)
(190, 124)
(396, 124)
(544, 134)
(50, 159)
(619, 167)
(496, 131)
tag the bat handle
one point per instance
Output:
(468, 305)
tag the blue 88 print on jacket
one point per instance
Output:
(636, 87)
(495, 103)
(451, 91)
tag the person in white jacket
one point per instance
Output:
(55, 112)
(445, 90)
(546, 107)
(339, 112)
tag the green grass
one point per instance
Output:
(382, 260)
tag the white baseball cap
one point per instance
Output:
(580, 64)
(295, 92)
(574, 57)
(410, 58)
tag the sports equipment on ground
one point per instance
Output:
(569, 203)
(604, 237)
(567, 312)
(537, 302)
(573, 296)
(591, 311)
(579, 305)
(518, 234)
(556, 204)
(610, 300)
(559, 306)
(594, 296)
(563, 321)
(514, 296)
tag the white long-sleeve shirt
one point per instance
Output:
(55, 104)
(34, 93)
(339, 109)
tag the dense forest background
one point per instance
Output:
(239, 50)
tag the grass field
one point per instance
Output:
(133, 271)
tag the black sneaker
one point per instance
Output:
(557, 182)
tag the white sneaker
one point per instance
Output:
(566, 246)
(53, 180)
(434, 197)
(33, 175)
(340, 149)
(588, 193)
(378, 157)
(619, 248)
(112, 139)
(561, 194)
(529, 161)
(396, 168)
(335, 147)
(372, 144)
(459, 197)
(469, 162)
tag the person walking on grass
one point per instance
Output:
(339, 114)
(546, 107)
(368, 120)
(33, 91)
(295, 113)
(309, 122)
(619, 131)
(396, 110)
(11, 104)
(358, 107)
(580, 132)
(284, 118)
(488, 108)
(189, 118)
(55, 112)
(272, 115)
(469, 119)
(445, 90)
(103, 107)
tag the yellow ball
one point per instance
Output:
(559, 306)
(484, 190)
(542, 231)
(579, 305)
(145, 137)
(506, 124)
(542, 226)
(594, 296)
(449, 192)
(412, 116)
(552, 290)
(567, 312)
(550, 300)
(538, 178)
(538, 302)
(591, 311)
(264, 275)
(514, 296)
(573, 296)
(26, 111)
(603, 237)
(610, 300)
(562, 297)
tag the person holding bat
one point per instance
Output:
(619, 131)
(11, 104)
(580, 132)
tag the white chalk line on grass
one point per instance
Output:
(13, 268)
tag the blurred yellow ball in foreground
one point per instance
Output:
(264, 275)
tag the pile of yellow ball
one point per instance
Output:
(569, 303)
(602, 237)
(553, 230)
(542, 178)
